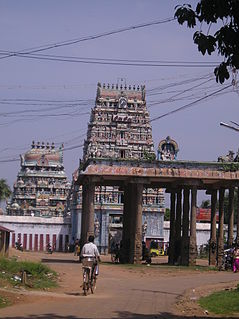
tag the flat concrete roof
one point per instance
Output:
(165, 174)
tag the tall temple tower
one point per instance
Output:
(119, 125)
(119, 128)
(41, 188)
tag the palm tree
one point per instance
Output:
(5, 190)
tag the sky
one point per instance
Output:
(46, 100)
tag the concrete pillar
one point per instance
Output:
(172, 230)
(220, 239)
(88, 213)
(136, 234)
(237, 238)
(193, 240)
(178, 226)
(185, 228)
(213, 230)
(125, 248)
(231, 217)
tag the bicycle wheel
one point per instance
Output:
(113, 256)
(93, 284)
(86, 281)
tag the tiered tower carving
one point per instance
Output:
(119, 128)
(41, 188)
(119, 125)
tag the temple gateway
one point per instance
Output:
(118, 153)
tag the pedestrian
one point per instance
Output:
(236, 259)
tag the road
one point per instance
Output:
(122, 292)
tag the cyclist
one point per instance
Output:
(91, 250)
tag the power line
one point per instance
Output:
(172, 98)
(118, 63)
(190, 104)
(115, 61)
(86, 38)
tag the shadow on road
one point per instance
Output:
(56, 260)
(122, 314)
(157, 292)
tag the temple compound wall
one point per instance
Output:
(34, 233)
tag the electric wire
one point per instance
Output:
(190, 104)
(86, 38)
(115, 63)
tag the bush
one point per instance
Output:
(38, 275)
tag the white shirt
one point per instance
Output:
(90, 249)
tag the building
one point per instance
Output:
(36, 212)
(4, 241)
(120, 129)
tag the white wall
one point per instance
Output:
(37, 226)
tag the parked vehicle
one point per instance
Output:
(158, 248)
(227, 261)
(49, 248)
(18, 246)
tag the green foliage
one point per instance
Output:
(38, 275)
(230, 167)
(226, 207)
(5, 190)
(4, 302)
(149, 156)
(224, 40)
(185, 14)
(167, 214)
(223, 302)
(206, 204)
(206, 43)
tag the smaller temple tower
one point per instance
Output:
(41, 188)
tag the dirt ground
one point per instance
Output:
(123, 291)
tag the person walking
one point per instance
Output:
(236, 259)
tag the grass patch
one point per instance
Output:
(38, 276)
(222, 302)
(4, 302)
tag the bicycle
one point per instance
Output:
(115, 255)
(89, 274)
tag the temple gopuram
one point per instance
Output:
(41, 188)
(36, 212)
(119, 129)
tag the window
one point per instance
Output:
(122, 153)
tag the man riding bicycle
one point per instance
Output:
(91, 250)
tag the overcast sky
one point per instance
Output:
(56, 96)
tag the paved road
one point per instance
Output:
(122, 292)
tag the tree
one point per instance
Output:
(5, 190)
(206, 204)
(224, 14)
(167, 214)
(226, 207)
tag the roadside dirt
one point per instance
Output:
(188, 306)
(145, 289)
